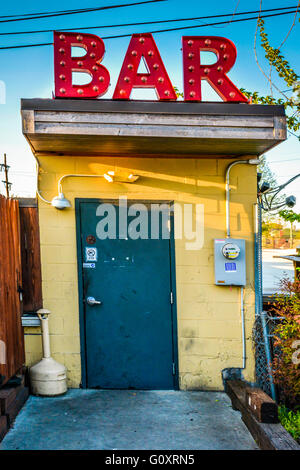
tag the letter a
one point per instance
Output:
(143, 46)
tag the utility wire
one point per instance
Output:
(91, 9)
(48, 12)
(44, 13)
(291, 28)
(74, 12)
(271, 83)
(157, 31)
(257, 61)
(232, 16)
(144, 22)
(221, 22)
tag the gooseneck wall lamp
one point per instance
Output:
(60, 202)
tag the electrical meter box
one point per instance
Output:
(230, 262)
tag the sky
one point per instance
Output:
(28, 72)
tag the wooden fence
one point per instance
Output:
(30, 255)
(11, 331)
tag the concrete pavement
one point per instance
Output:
(126, 419)
(274, 269)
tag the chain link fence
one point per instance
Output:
(264, 353)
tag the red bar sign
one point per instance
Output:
(142, 47)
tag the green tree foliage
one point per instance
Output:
(286, 371)
(291, 217)
(179, 94)
(268, 176)
(266, 172)
(291, 421)
(268, 227)
(290, 77)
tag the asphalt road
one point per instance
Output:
(274, 269)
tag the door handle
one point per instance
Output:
(92, 301)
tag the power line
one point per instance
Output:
(158, 31)
(48, 12)
(144, 22)
(291, 28)
(43, 13)
(233, 15)
(92, 9)
(285, 176)
(203, 25)
(74, 12)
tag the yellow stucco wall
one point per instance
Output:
(209, 325)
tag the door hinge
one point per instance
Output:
(174, 368)
(171, 298)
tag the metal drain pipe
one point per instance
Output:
(252, 161)
(259, 313)
(243, 328)
(268, 353)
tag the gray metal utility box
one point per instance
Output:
(230, 262)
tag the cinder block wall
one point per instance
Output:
(209, 325)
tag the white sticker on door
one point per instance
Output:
(89, 265)
(91, 254)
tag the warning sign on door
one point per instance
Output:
(91, 254)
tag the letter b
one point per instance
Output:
(65, 65)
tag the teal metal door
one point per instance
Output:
(129, 340)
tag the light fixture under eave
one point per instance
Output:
(254, 161)
(133, 178)
(60, 202)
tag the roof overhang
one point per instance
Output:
(146, 128)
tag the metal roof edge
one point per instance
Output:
(151, 107)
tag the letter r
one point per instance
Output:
(65, 64)
(215, 74)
